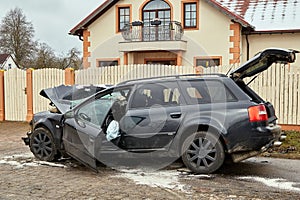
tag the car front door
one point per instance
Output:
(85, 127)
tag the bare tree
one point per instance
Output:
(72, 59)
(16, 36)
(45, 57)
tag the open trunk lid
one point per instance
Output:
(257, 64)
(263, 61)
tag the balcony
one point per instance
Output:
(153, 36)
(154, 31)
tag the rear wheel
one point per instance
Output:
(202, 152)
(42, 145)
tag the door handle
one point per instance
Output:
(175, 115)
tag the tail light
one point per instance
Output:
(258, 113)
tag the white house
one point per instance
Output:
(7, 62)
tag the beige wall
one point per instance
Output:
(258, 43)
(212, 38)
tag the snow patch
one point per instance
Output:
(275, 182)
(167, 179)
(26, 160)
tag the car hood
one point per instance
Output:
(65, 97)
(263, 61)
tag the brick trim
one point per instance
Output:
(125, 59)
(235, 39)
(86, 45)
(69, 76)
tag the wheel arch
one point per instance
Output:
(47, 124)
(189, 130)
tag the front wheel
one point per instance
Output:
(42, 145)
(203, 152)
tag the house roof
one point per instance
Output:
(266, 15)
(3, 58)
(258, 15)
(78, 29)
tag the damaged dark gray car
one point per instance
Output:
(199, 118)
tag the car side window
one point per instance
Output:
(96, 110)
(207, 91)
(164, 94)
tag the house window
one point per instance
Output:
(107, 63)
(160, 11)
(124, 17)
(190, 15)
(208, 62)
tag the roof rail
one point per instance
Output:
(172, 76)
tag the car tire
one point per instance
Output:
(42, 145)
(203, 152)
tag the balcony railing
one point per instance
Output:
(154, 31)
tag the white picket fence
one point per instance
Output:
(45, 78)
(15, 97)
(280, 85)
(113, 75)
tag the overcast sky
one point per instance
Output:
(53, 19)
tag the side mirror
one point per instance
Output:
(69, 114)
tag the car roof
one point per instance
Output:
(172, 77)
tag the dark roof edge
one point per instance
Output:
(233, 16)
(272, 32)
(78, 29)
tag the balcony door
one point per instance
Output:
(160, 10)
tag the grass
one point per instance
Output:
(290, 148)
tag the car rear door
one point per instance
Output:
(153, 117)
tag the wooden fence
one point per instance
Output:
(44, 78)
(113, 75)
(15, 95)
(280, 85)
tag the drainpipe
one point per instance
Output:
(248, 46)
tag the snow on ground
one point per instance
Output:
(274, 182)
(25, 160)
(164, 179)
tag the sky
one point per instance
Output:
(53, 19)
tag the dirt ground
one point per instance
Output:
(23, 177)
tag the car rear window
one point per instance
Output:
(207, 91)
(164, 94)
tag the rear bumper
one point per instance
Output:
(257, 138)
(263, 139)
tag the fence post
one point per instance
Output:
(199, 70)
(2, 99)
(69, 76)
(29, 93)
